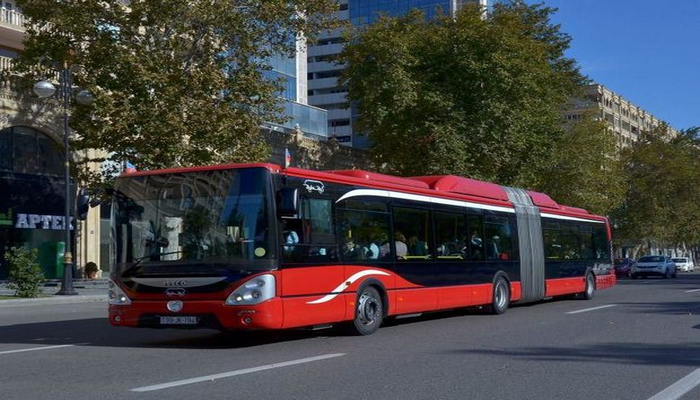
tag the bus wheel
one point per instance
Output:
(369, 313)
(589, 292)
(501, 296)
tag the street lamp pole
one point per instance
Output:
(65, 88)
(46, 89)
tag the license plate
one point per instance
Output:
(179, 320)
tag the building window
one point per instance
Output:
(28, 151)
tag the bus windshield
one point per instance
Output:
(208, 219)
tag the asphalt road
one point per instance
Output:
(637, 341)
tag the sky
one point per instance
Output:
(647, 51)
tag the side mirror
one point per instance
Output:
(288, 202)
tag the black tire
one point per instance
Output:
(675, 273)
(369, 312)
(634, 276)
(589, 291)
(500, 297)
(667, 274)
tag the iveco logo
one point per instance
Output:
(175, 292)
(174, 283)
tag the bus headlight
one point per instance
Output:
(254, 291)
(117, 296)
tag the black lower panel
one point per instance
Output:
(455, 273)
(566, 269)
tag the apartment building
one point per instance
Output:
(323, 88)
(625, 119)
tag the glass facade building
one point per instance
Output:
(311, 120)
(366, 11)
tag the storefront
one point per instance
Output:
(32, 198)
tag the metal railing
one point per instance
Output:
(12, 17)
(6, 63)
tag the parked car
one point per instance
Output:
(623, 266)
(654, 265)
(684, 264)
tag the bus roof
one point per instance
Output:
(450, 186)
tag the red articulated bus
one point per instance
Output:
(257, 246)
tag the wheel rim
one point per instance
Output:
(501, 295)
(368, 309)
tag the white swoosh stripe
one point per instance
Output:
(421, 198)
(545, 215)
(457, 203)
(345, 284)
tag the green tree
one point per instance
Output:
(473, 95)
(176, 82)
(585, 169)
(25, 275)
(663, 185)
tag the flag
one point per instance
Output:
(287, 158)
(129, 168)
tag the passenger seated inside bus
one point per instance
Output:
(400, 243)
(371, 251)
(417, 247)
(290, 237)
(477, 246)
(351, 251)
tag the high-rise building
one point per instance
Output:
(323, 88)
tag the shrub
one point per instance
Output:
(26, 276)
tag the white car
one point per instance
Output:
(684, 264)
(654, 265)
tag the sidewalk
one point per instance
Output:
(88, 291)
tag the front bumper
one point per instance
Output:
(211, 314)
(648, 270)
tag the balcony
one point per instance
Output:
(6, 63)
(11, 29)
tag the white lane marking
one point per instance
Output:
(41, 348)
(591, 309)
(679, 388)
(691, 291)
(339, 289)
(235, 373)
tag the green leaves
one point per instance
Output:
(585, 168)
(663, 188)
(176, 83)
(472, 96)
(25, 275)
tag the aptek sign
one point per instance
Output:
(40, 221)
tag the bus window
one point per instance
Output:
(450, 236)
(364, 235)
(586, 243)
(411, 229)
(310, 238)
(498, 241)
(600, 239)
(476, 238)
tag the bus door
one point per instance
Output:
(310, 271)
(530, 244)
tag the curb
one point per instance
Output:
(54, 300)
